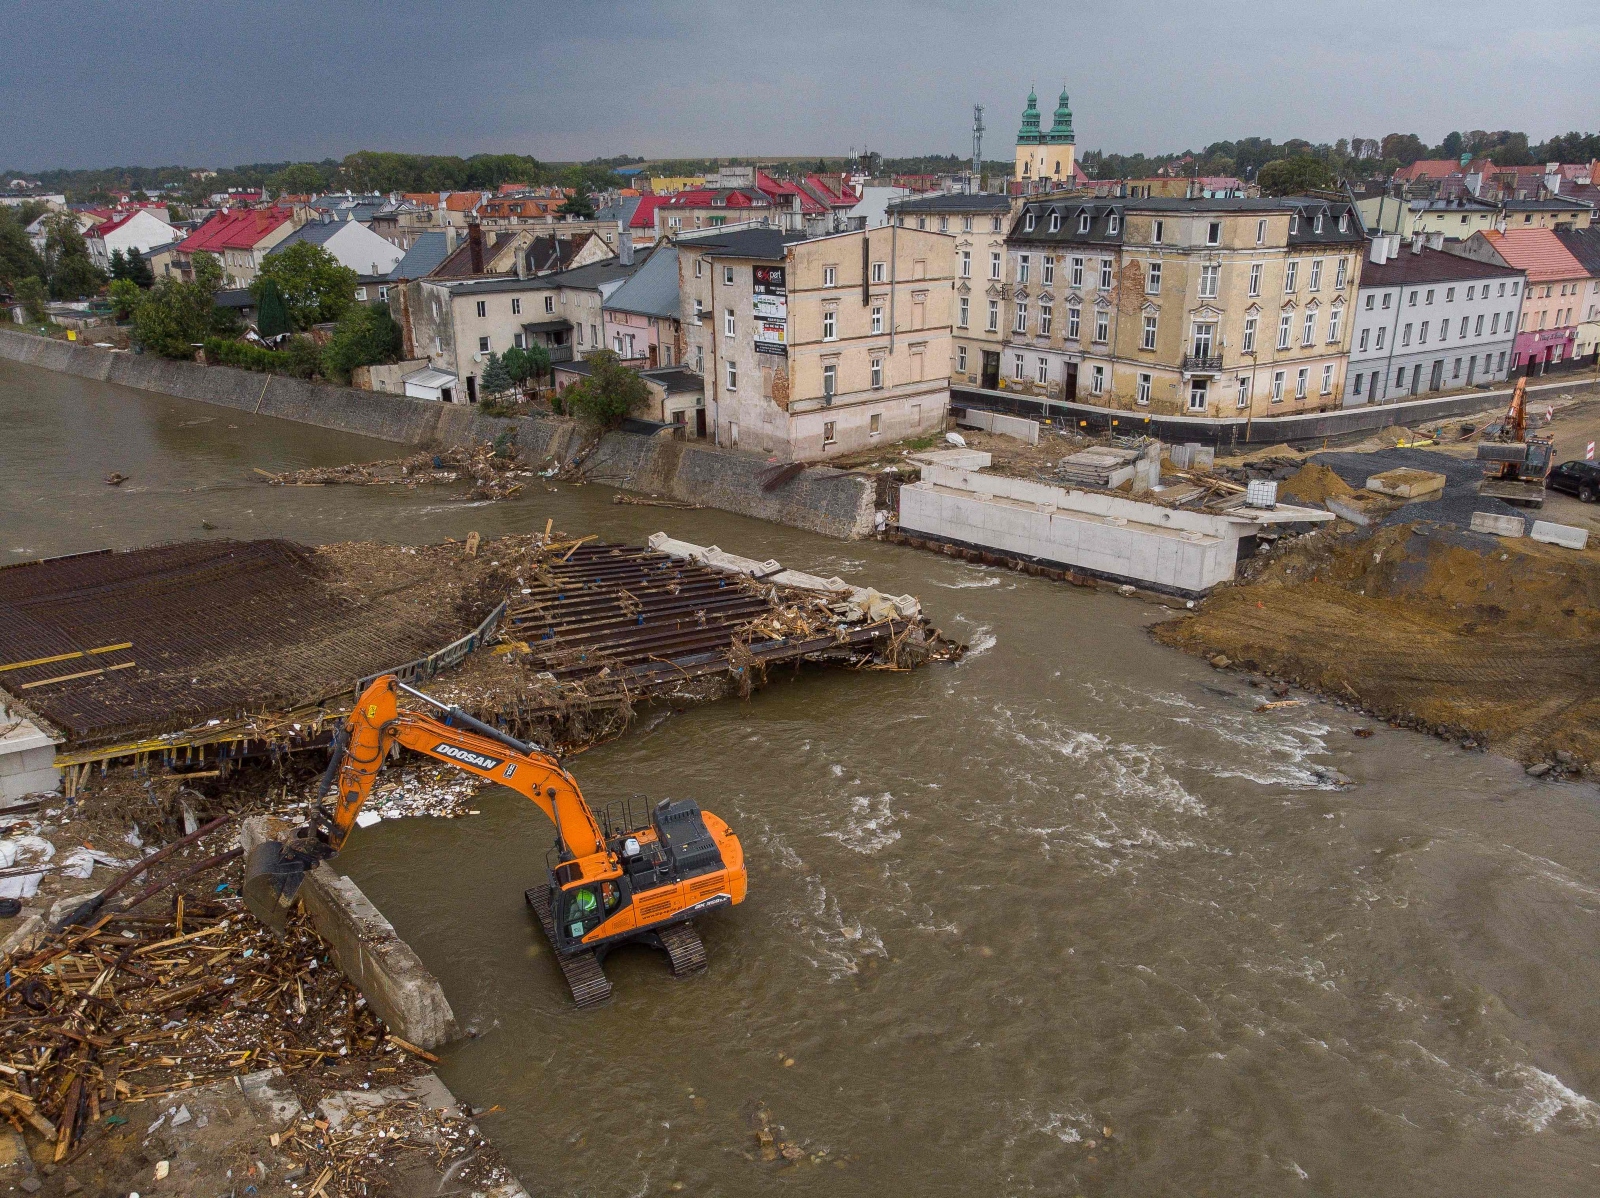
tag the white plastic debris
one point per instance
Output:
(24, 851)
(181, 1116)
(955, 439)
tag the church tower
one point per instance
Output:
(1047, 156)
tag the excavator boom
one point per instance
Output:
(607, 885)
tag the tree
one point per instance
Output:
(530, 363)
(119, 265)
(18, 259)
(1407, 147)
(366, 336)
(1450, 147)
(577, 205)
(173, 318)
(72, 273)
(139, 270)
(272, 314)
(207, 268)
(125, 297)
(496, 380)
(31, 291)
(1513, 151)
(300, 178)
(610, 392)
(1290, 176)
(314, 286)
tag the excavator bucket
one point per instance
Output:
(272, 879)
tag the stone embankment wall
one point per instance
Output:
(824, 500)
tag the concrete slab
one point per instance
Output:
(1407, 483)
(386, 969)
(1559, 534)
(1500, 526)
(27, 758)
(962, 459)
(1019, 427)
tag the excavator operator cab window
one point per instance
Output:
(610, 896)
(583, 911)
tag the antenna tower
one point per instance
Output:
(977, 140)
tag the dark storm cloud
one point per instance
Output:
(175, 81)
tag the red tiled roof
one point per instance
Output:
(463, 201)
(235, 229)
(1537, 251)
(111, 225)
(1429, 168)
(428, 199)
(644, 216)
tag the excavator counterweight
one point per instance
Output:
(609, 883)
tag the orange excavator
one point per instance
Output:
(610, 880)
(1516, 462)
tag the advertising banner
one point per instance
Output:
(770, 306)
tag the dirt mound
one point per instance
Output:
(1314, 484)
(1497, 641)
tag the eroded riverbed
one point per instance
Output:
(1072, 883)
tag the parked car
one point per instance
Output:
(1576, 478)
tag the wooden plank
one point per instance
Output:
(126, 665)
(44, 661)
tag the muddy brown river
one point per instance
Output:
(1074, 883)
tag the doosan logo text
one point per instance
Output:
(467, 755)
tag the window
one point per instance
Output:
(830, 276)
(1450, 295)
(728, 325)
(964, 310)
(966, 224)
(1244, 393)
(1277, 386)
(1021, 325)
(1022, 268)
(994, 265)
(879, 271)
(1400, 379)
(483, 309)
(1387, 296)
(1152, 279)
(1097, 379)
(1045, 314)
(1205, 336)
(1214, 233)
(1043, 371)
(994, 316)
(1456, 372)
(961, 357)
(1248, 345)
(1411, 301)
(1142, 389)
(483, 345)
(877, 370)
(1327, 378)
(1255, 278)
(1405, 335)
(1294, 223)
(1429, 299)
(1049, 268)
(830, 381)
(1344, 226)
(828, 429)
(1074, 330)
(516, 305)
(700, 360)
(1284, 323)
(877, 317)
(1083, 222)
(1027, 221)
(1055, 221)
(1381, 332)
(699, 311)
(1314, 283)
(944, 224)
(1422, 334)
(1105, 274)
(1208, 280)
(1359, 379)
(1018, 364)
(727, 275)
(966, 264)
(517, 340)
(1503, 288)
(1148, 340)
(1114, 223)
(1102, 325)
(1335, 319)
(1362, 347)
(994, 225)
(1198, 389)
(1340, 274)
(830, 325)
(1261, 232)
(733, 375)
(1291, 276)
(1157, 228)
(1302, 376)
(1463, 333)
(1316, 225)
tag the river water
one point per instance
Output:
(1072, 883)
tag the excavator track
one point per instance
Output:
(582, 970)
(683, 947)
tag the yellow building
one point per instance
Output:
(670, 186)
(1047, 156)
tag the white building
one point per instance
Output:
(352, 244)
(132, 234)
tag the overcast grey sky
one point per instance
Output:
(212, 82)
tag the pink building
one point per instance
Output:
(1552, 307)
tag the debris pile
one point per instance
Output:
(1103, 466)
(490, 467)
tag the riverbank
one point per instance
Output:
(819, 499)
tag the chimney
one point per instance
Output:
(1436, 241)
(1380, 251)
(1416, 243)
(625, 247)
(475, 244)
(449, 240)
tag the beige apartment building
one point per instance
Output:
(1217, 307)
(977, 225)
(815, 347)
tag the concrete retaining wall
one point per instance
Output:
(401, 990)
(824, 500)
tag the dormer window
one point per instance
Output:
(1055, 222)
(1294, 222)
(1114, 223)
(1316, 226)
(1027, 222)
(1083, 222)
(1344, 222)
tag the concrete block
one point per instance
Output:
(1348, 511)
(1500, 526)
(1407, 484)
(1564, 535)
(386, 969)
(27, 758)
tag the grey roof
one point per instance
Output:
(237, 297)
(424, 256)
(953, 202)
(678, 380)
(1101, 210)
(1553, 204)
(653, 288)
(1584, 245)
(1430, 266)
(314, 232)
(622, 210)
(157, 249)
(591, 277)
(749, 243)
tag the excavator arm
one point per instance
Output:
(374, 729)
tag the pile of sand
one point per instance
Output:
(1314, 484)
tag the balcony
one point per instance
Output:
(1202, 363)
